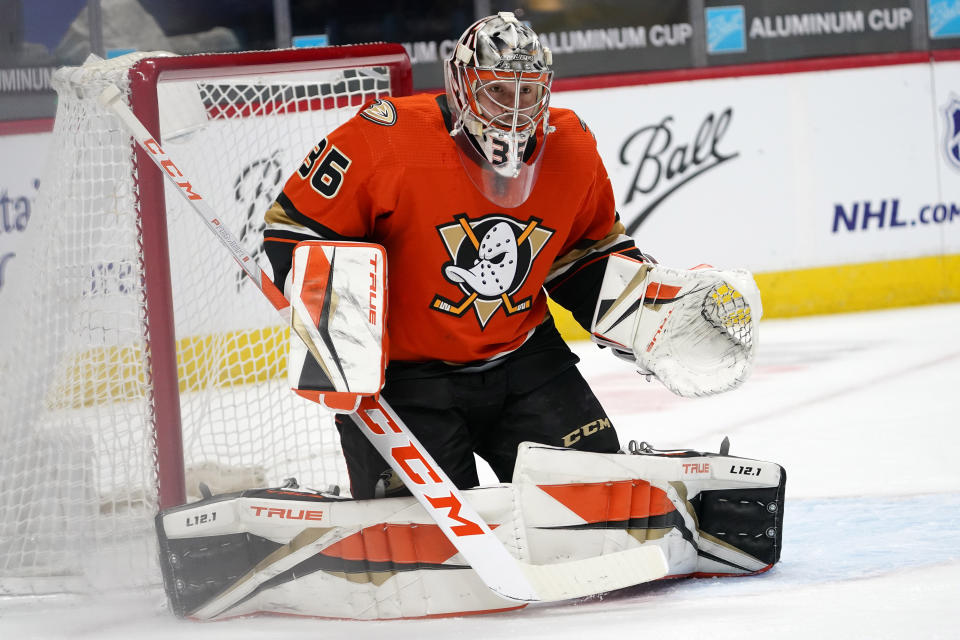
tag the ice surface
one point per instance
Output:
(863, 411)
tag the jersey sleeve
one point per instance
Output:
(576, 275)
(335, 194)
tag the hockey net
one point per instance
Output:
(137, 360)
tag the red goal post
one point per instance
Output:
(145, 78)
(136, 353)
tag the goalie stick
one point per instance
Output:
(471, 536)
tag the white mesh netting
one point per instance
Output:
(78, 477)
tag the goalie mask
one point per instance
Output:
(498, 88)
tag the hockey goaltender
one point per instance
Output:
(485, 200)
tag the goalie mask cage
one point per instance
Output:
(137, 360)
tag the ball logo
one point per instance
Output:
(662, 161)
(253, 191)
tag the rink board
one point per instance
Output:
(838, 187)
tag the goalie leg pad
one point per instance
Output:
(750, 520)
(195, 570)
(712, 514)
(303, 553)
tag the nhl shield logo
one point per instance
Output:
(490, 261)
(952, 134)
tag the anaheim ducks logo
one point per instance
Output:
(381, 112)
(490, 261)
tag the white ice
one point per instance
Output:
(863, 411)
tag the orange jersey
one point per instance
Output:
(465, 277)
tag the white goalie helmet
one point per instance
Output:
(498, 89)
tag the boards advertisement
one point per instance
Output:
(840, 187)
(22, 158)
(783, 171)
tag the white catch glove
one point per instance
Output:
(695, 330)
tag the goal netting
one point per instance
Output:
(137, 361)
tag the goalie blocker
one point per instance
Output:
(306, 553)
(338, 299)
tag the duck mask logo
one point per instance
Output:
(490, 261)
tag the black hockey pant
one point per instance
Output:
(458, 414)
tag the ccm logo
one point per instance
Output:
(153, 147)
(373, 290)
(286, 514)
(407, 457)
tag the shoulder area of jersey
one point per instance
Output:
(388, 111)
(568, 124)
